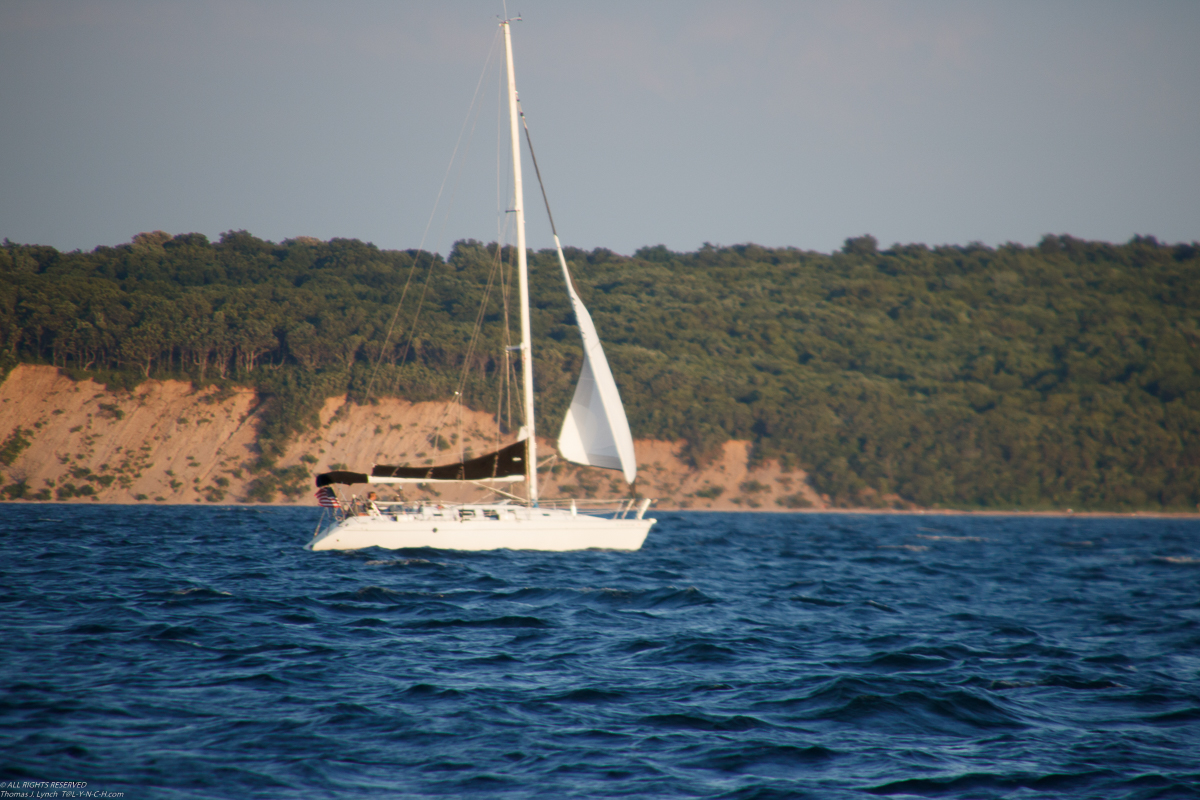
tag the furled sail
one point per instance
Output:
(595, 431)
(506, 464)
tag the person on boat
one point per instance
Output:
(372, 508)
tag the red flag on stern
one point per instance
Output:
(327, 498)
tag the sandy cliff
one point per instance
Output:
(169, 442)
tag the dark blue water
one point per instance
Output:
(201, 653)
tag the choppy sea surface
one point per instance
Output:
(174, 652)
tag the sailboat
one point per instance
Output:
(595, 432)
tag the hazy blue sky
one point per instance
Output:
(781, 123)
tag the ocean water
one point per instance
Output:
(175, 652)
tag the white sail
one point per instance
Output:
(595, 431)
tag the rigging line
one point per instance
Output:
(470, 353)
(473, 344)
(432, 214)
(509, 366)
(538, 172)
(545, 199)
(503, 389)
(513, 260)
(429, 275)
(496, 269)
(501, 204)
(475, 336)
(503, 223)
(501, 228)
(500, 404)
(445, 221)
(506, 278)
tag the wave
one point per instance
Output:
(590, 696)
(692, 651)
(764, 757)
(983, 784)
(668, 597)
(699, 722)
(506, 622)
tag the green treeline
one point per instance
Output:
(1062, 375)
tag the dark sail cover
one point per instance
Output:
(501, 464)
(340, 476)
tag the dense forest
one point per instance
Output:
(1061, 375)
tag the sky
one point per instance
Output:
(780, 123)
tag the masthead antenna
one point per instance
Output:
(507, 19)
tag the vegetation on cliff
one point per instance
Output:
(1066, 374)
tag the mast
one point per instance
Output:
(522, 271)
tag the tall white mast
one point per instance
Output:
(522, 271)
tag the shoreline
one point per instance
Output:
(908, 512)
(170, 443)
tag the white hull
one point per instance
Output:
(511, 527)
